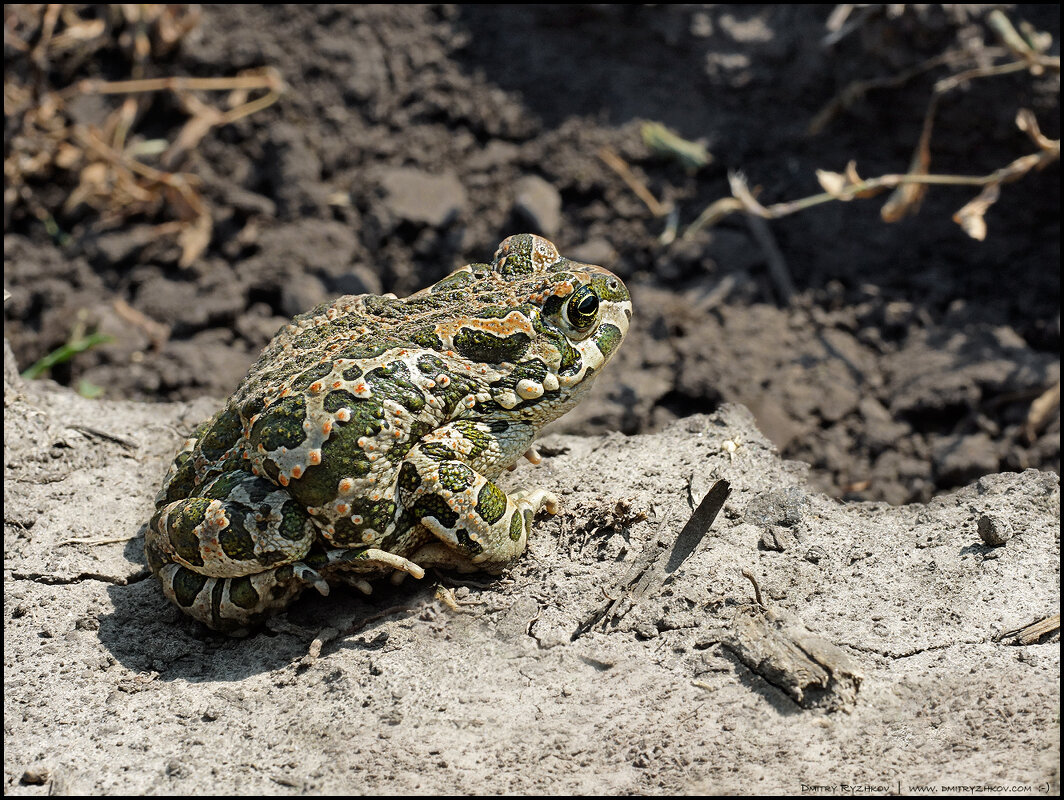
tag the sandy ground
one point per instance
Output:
(109, 690)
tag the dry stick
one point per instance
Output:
(51, 16)
(618, 165)
(269, 79)
(777, 267)
(115, 540)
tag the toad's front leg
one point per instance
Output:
(476, 524)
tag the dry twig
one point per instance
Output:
(620, 166)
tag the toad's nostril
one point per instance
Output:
(628, 313)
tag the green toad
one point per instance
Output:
(367, 438)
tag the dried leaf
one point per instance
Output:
(833, 183)
(970, 218)
(67, 156)
(841, 186)
(903, 201)
(906, 198)
(194, 239)
(664, 142)
(1028, 123)
(91, 182)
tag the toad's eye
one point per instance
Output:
(582, 309)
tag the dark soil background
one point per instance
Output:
(412, 139)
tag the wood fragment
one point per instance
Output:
(96, 433)
(807, 668)
(112, 540)
(1035, 632)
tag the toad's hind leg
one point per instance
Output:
(235, 552)
(234, 605)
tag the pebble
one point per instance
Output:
(417, 196)
(539, 204)
(36, 775)
(995, 531)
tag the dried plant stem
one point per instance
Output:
(620, 166)
(865, 188)
(265, 79)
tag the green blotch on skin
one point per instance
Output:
(545, 327)
(437, 451)
(456, 280)
(181, 524)
(428, 339)
(183, 482)
(375, 516)
(311, 337)
(455, 476)
(392, 382)
(431, 365)
(518, 259)
(224, 431)
(409, 479)
(295, 524)
(385, 307)
(607, 337)
(366, 416)
(570, 364)
(617, 292)
(534, 370)
(487, 348)
(455, 390)
(466, 544)
(516, 526)
(480, 440)
(223, 486)
(251, 407)
(553, 306)
(491, 503)
(432, 505)
(156, 559)
(280, 425)
(235, 540)
(341, 457)
(334, 401)
(187, 585)
(365, 349)
(309, 376)
(242, 593)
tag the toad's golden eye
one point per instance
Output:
(583, 308)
